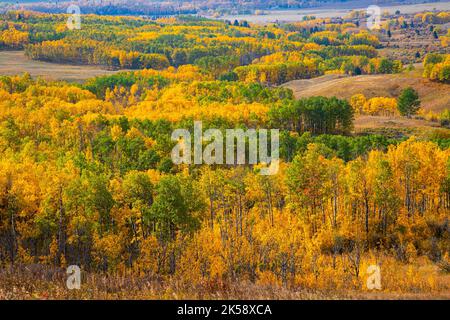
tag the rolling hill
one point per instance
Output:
(434, 96)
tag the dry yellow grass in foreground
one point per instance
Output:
(42, 283)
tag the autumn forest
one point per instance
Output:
(87, 179)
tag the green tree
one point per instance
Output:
(174, 207)
(174, 210)
(179, 57)
(408, 102)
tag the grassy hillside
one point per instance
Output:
(434, 96)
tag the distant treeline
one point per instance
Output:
(120, 10)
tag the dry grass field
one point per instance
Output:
(15, 62)
(434, 96)
(37, 282)
(397, 123)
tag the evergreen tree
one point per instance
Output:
(408, 102)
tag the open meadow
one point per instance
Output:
(15, 62)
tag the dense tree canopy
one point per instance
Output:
(266, 54)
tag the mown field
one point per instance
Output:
(15, 62)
